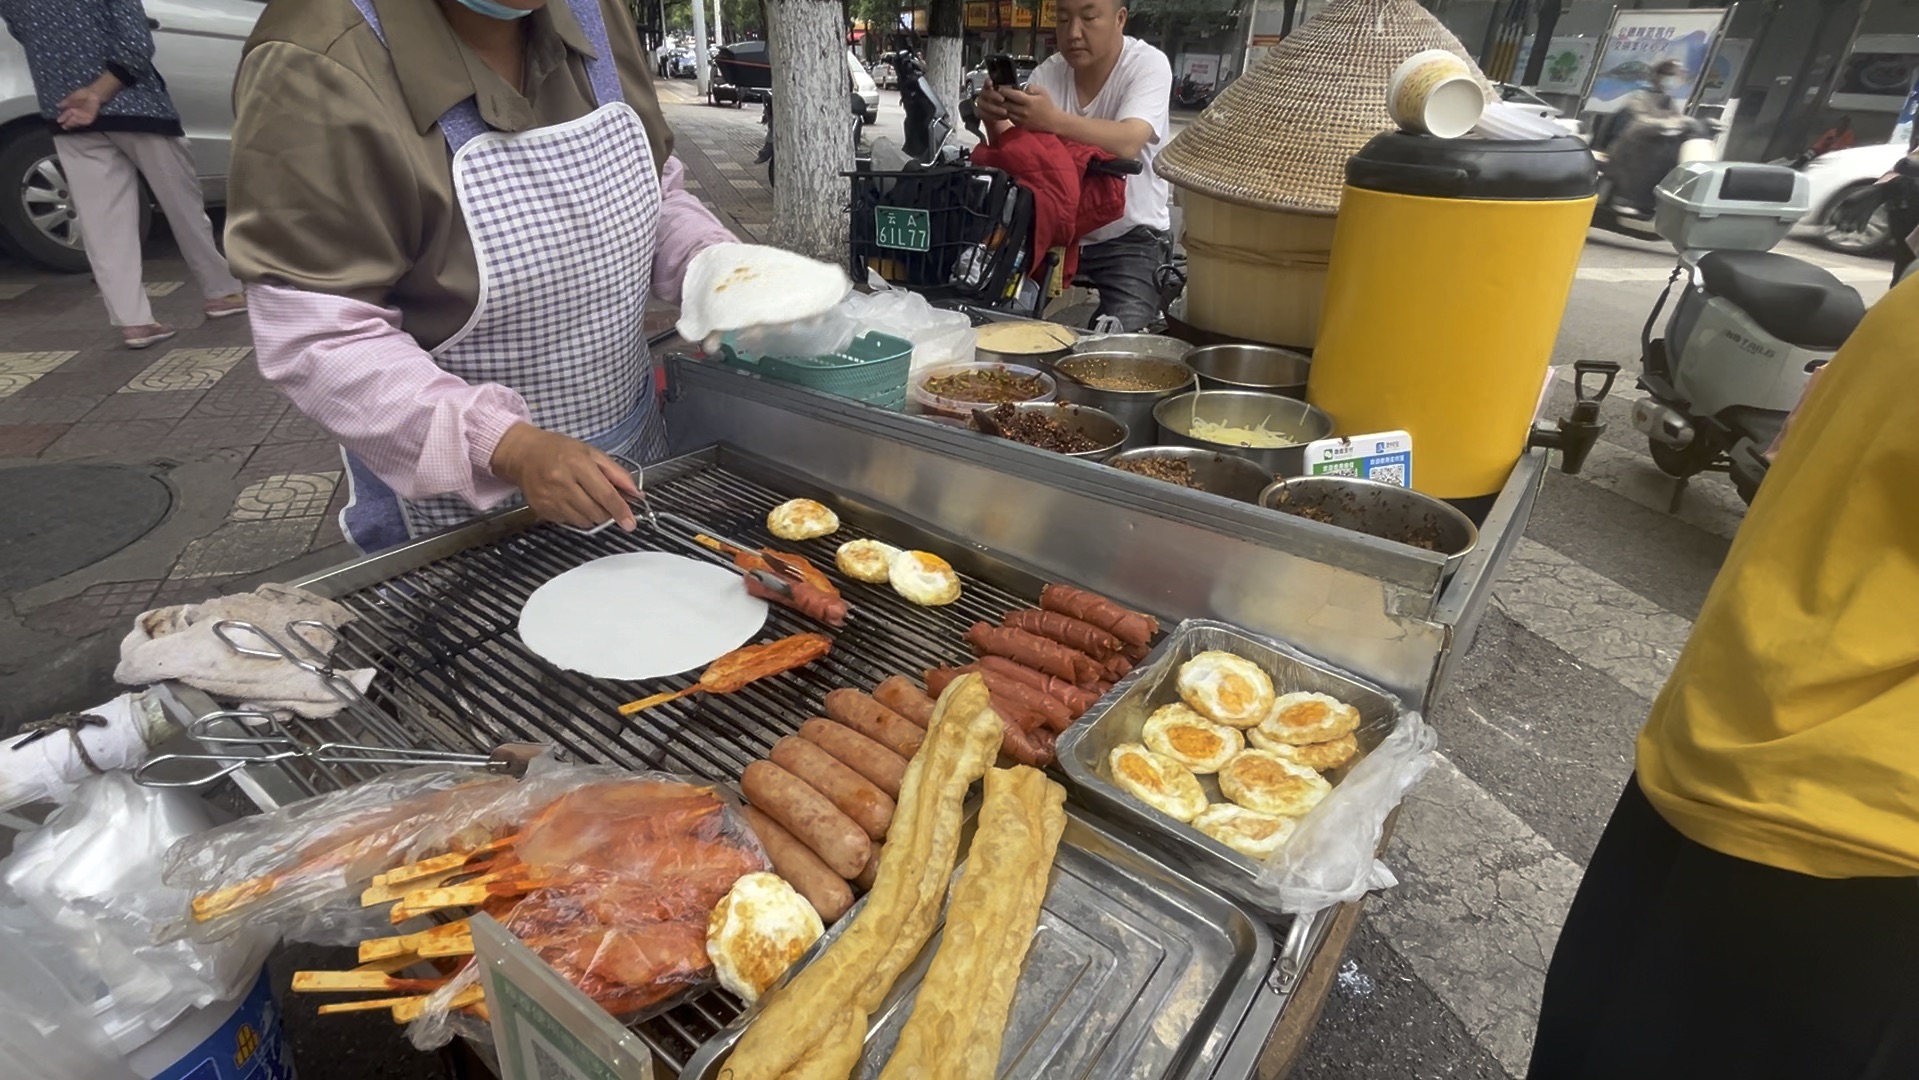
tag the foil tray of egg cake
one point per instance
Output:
(1219, 744)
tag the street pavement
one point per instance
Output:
(1445, 973)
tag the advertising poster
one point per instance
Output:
(1638, 41)
(1568, 61)
(979, 14)
(1723, 80)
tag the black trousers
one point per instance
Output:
(1679, 962)
(1123, 269)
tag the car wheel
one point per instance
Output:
(1874, 239)
(37, 218)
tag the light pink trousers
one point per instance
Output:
(103, 172)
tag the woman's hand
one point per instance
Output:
(563, 479)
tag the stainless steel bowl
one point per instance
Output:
(1157, 378)
(1096, 424)
(1266, 368)
(983, 351)
(1244, 408)
(1167, 348)
(1214, 471)
(1387, 511)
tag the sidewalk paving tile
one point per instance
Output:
(284, 496)
(45, 410)
(29, 440)
(246, 547)
(111, 604)
(14, 290)
(120, 440)
(162, 405)
(19, 369)
(187, 369)
(315, 456)
(294, 427)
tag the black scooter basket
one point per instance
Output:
(950, 232)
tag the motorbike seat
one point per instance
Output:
(1789, 298)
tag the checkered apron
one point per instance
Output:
(563, 221)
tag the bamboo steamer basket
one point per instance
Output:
(1261, 171)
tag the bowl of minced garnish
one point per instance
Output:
(1269, 430)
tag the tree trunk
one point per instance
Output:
(812, 127)
(945, 52)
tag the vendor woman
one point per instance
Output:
(450, 215)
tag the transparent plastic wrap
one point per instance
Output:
(93, 872)
(1333, 856)
(631, 871)
(46, 1001)
(299, 870)
(938, 337)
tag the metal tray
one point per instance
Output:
(1119, 716)
(1135, 971)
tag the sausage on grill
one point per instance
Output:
(855, 796)
(875, 721)
(1068, 631)
(802, 869)
(1060, 690)
(1132, 627)
(1041, 654)
(808, 815)
(903, 696)
(857, 752)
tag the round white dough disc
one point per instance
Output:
(640, 616)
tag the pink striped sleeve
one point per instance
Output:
(349, 367)
(686, 227)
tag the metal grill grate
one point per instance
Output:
(455, 674)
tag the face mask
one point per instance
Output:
(494, 10)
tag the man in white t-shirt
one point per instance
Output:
(1114, 92)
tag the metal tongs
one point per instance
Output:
(638, 502)
(272, 743)
(276, 745)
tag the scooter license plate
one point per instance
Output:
(902, 228)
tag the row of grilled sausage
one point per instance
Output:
(822, 802)
(1046, 666)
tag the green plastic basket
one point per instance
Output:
(871, 370)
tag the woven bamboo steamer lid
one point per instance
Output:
(1280, 136)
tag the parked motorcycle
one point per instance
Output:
(1682, 140)
(1749, 325)
(1190, 93)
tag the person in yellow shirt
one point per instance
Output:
(1752, 910)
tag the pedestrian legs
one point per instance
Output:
(106, 196)
(1123, 270)
(168, 167)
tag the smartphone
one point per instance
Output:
(999, 68)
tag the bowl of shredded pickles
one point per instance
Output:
(1269, 430)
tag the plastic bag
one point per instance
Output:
(938, 336)
(637, 865)
(299, 870)
(49, 768)
(46, 999)
(822, 335)
(1331, 858)
(93, 872)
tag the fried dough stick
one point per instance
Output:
(959, 1013)
(815, 1025)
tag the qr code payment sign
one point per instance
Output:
(1388, 474)
(1340, 468)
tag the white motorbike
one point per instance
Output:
(1749, 325)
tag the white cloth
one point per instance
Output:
(103, 170)
(47, 768)
(179, 643)
(1140, 87)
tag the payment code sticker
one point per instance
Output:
(1386, 457)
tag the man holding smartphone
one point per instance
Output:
(1114, 92)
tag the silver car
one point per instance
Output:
(197, 47)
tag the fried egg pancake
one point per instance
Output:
(1249, 832)
(757, 930)
(1324, 756)
(1157, 780)
(1190, 739)
(867, 560)
(1308, 718)
(924, 578)
(1258, 780)
(802, 519)
(1226, 688)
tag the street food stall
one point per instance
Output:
(857, 601)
